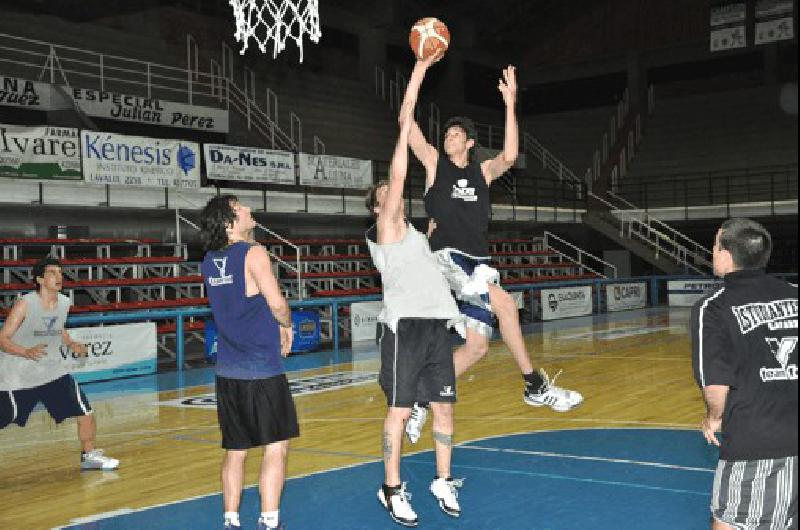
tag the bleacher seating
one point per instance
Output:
(571, 136)
(329, 267)
(740, 133)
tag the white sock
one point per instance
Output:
(232, 518)
(271, 519)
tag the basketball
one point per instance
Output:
(428, 37)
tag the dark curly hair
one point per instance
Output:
(40, 267)
(216, 217)
(465, 124)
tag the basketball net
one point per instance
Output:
(277, 21)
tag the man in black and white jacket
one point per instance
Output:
(744, 352)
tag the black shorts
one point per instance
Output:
(417, 362)
(255, 412)
(62, 397)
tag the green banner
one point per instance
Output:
(50, 153)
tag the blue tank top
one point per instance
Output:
(248, 343)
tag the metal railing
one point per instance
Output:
(295, 269)
(58, 64)
(658, 236)
(727, 188)
(564, 247)
(698, 252)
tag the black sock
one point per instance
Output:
(388, 491)
(534, 381)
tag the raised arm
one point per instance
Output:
(425, 152)
(391, 211)
(492, 169)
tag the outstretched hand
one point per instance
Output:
(507, 85)
(432, 59)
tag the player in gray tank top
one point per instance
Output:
(414, 342)
(32, 368)
(464, 273)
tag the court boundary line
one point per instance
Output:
(128, 510)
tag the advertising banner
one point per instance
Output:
(122, 107)
(110, 158)
(774, 21)
(684, 293)
(40, 152)
(114, 351)
(364, 320)
(334, 171)
(727, 26)
(249, 164)
(566, 302)
(624, 296)
(16, 92)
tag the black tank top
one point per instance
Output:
(459, 202)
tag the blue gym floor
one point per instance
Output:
(589, 478)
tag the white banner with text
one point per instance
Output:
(249, 164)
(685, 293)
(122, 107)
(40, 152)
(110, 158)
(334, 171)
(624, 296)
(32, 95)
(364, 320)
(566, 302)
(114, 351)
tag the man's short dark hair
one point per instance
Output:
(217, 216)
(749, 243)
(371, 200)
(40, 267)
(465, 124)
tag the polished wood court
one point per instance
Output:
(635, 371)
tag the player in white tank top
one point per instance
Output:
(30, 363)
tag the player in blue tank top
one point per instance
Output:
(254, 404)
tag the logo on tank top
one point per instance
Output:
(48, 331)
(782, 349)
(222, 279)
(447, 391)
(461, 191)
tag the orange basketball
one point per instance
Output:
(428, 36)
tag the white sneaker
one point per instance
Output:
(398, 504)
(444, 489)
(416, 421)
(557, 398)
(96, 460)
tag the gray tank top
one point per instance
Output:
(39, 327)
(413, 285)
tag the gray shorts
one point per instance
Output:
(756, 494)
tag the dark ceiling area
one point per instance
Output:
(501, 26)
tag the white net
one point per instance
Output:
(276, 21)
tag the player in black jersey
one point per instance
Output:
(457, 199)
(744, 346)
